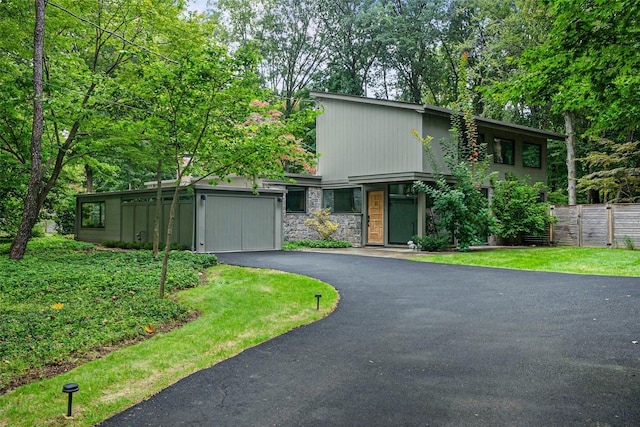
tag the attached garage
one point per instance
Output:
(207, 218)
(239, 222)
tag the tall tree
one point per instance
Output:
(353, 36)
(462, 208)
(583, 71)
(411, 49)
(292, 47)
(287, 36)
(31, 207)
(88, 44)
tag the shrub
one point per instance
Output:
(38, 231)
(140, 246)
(321, 223)
(50, 244)
(629, 243)
(518, 210)
(289, 246)
(431, 243)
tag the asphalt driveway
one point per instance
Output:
(417, 344)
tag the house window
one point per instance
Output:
(92, 214)
(343, 200)
(296, 199)
(531, 155)
(503, 151)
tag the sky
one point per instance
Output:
(198, 5)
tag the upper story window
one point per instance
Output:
(531, 155)
(343, 200)
(92, 214)
(504, 151)
(296, 199)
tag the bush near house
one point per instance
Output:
(431, 243)
(65, 301)
(138, 246)
(298, 244)
(518, 210)
(321, 223)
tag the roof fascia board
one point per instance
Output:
(371, 101)
(391, 177)
(496, 124)
(295, 179)
(240, 190)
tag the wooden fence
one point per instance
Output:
(596, 225)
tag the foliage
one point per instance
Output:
(573, 260)
(136, 245)
(208, 116)
(583, 68)
(629, 243)
(557, 198)
(287, 35)
(90, 48)
(616, 171)
(432, 243)
(321, 223)
(39, 247)
(238, 309)
(324, 244)
(65, 300)
(517, 207)
(461, 208)
(354, 34)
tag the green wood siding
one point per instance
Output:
(111, 230)
(536, 174)
(362, 139)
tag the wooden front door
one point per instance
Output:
(375, 217)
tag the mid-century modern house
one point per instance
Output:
(369, 159)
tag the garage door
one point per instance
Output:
(240, 223)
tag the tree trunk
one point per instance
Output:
(167, 243)
(156, 220)
(569, 120)
(89, 173)
(31, 204)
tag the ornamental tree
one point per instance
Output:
(205, 108)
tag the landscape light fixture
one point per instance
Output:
(318, 296)
(70, 389)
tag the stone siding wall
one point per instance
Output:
(293, 227)
(350, 228)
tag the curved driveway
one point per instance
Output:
(420, 344)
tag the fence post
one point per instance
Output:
(579, 225)
(551, 212)
(610, 219)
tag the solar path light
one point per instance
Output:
(318, 296)
(70, 389)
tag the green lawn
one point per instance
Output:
(238, 308)
(613, 262)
